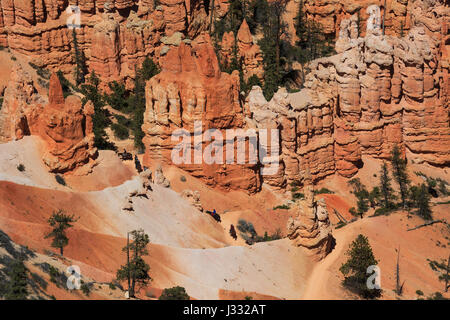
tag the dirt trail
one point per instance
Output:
(316, 288)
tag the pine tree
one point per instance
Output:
(60, 223)
(135, 271)
(360, 257)
(100, 119)
(362, 196)
(137, 100)
(17, 286)
(423, 203)
(399, 173)
(80, 61)
(386, 190)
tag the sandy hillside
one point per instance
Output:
(188, 247)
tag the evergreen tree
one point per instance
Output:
(374, 197)
(399, 173)
(270, 46)
(80, 61)
(60, 223)
(17, 286)
(360, 257)
(387, 193)
(137, 100)
(100, 119)
(423, 203)
(118, 97)
(362, 196)
(65, 84)
(136, 269)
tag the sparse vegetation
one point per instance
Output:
(183, 179)
(175, 293)
(21, 167)
(86, 289)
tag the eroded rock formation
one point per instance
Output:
(191, 88)
(377, 91)
(64, 125)
(311, 228)
(248, 53)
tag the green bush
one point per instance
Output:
(86, 289)
(298, 196)
(175, 293)
(120, 132)
(323, 191)
(60, 180)
(183, 179)
(284, 206)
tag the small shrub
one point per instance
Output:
(86, 289)
(183, 179)
(284, 207)
(60, 180)
(248, 298)
(298, 196)
(175, 293)
(323, 191)
(13, 58)
(112, 286)
(1, 102)
(419, 292)
(21, 167)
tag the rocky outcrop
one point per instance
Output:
(160, 179)
(191, 89)
(143, 191)
(193, 197)
(248, 53)
(311, 228)
(331, 13)
(114, 35)
(64, 125)
(377, 92)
